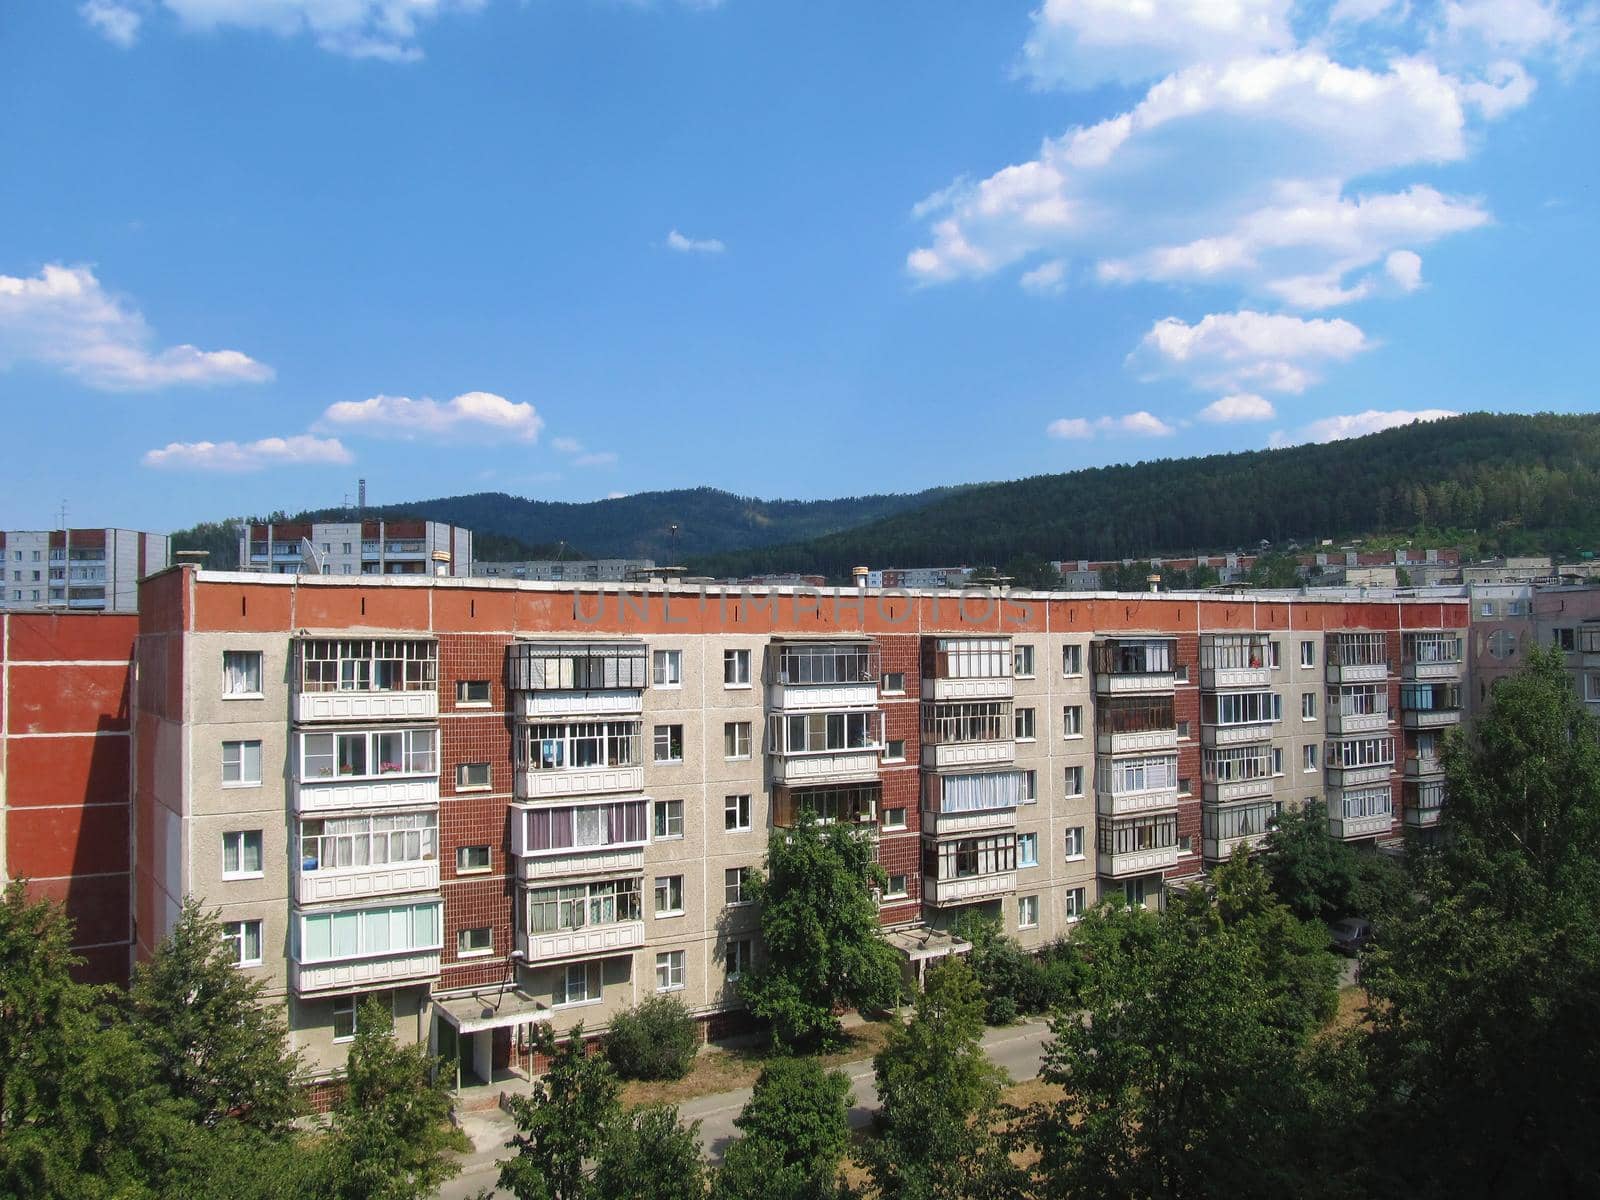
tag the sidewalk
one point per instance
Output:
(1014, 1047)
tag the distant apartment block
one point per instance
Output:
(501, 803)
(404, 547)
(1509, 618)
(919, 577)
(79, 570)
(574, 570)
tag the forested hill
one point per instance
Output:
(1526, 479)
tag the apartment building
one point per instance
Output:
(65, 772)
(404, 547)
(1508, 618)
(568, 570)
(501, 803)
(78, 570)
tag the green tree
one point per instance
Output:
(219, 1046)
(1179, 1081)
(1486, 1046)
(656, 1039)
(1311, 872)
(389, 1132)
(795, 1128)
(560, 1126)
(650, 1155)
(819, 928)
(938, 1097)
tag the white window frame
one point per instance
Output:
(656, 746)
(238, 840)
(1074, 902)
(1072, 781)
(891, 822)
(462, 781)
(1025, 721)
(1072, 660)
(739, 957)
(666, 669)
(890, 754)
(239, 763)
(670, 970)
(1073, 844)
(464, 948)
(227, 674)
(1030, 857)
(1022, 660)
(663, 815)
(665, 886)
(735, 669)
(1308, 654)
(464, 698)
(1308, 757)
(734, 882)
(1308, 706)
(593, 990)
(739, 809)
(894, 893)
(468, 869)
(1072, 721)
(237, 935)
(739, 736)
(894, 683)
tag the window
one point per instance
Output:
(1074, 781)
(368, 665)
(364, 933)
(241, 672)
(586, 827)
(967, 721)
(345, 1009)
(1074, 846)
(472, 776)
(1022, 661)
(1027, 849)
(1138, 835)
(733, 884)
(667, 666)
(1275, 655)
(367, 840)
(472, 691)
(1308, 706)
(1133, 656)
(736, 814)
(895, 818)
(1136, 714)
(736, 668)
(894, 683)
(471, 859)
(1486, 609)
(243, 940)
(1076, 902)
(1185, 785)
(1024, 724)
(1368, 752)
(1030, 788)
(1072, 660)
(1184, 731)
(970, 857)
(669, 743)
(669, 971)
(739, 957)
(474, 943)
(669, 895)
(735, 740)
(368, 754)
(578, 744)
(848, 662)
(1308, 654)
(241, 854)
(897, 888)
(576, 906)
(1027, 912)
(1072, 721)
(1239, 708)
(669, 819)
(1180, 673)
(895, 750)
(1123, 775)
(1308, 758)
(1566, 639)
(967, 658)
(578, 984)
(1277, 760)
(241, 764)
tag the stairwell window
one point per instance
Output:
(241, 674)
(241, 854)
(241, 764)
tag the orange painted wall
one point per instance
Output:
(67, 770)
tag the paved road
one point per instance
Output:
(1016, 1048)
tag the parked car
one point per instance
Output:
(1350, 934)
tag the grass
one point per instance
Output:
(1350, 1013)
(728, 1068)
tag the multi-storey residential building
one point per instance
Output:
(567, 570)
(500, 803)
(401, 547)
(79, 570)
(1508, 618)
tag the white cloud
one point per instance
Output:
(616, 495)
(1241, 406)
(1135, 424)
(63, 318)
(1047, 279)
(302, 450)
(1509, 26)
(1082, 43)
(381, 29)
(688, 245)
(1246, 349)
(567, 445)
(1404, 267)
(117, 23)
(1333, 429)
(471, 414)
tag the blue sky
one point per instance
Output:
(253, 249)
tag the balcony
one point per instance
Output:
(1422, 818)
(1235, 735)
(806, 697)
(1239, 789)
(1349, 829)
(1140, 742)
(1135, 862)
(967, 668)
(1344, 777)
(1235, 660)
(334, 793)
(1431, 657)
(805, 676)
(1342, 724)
(547, 705)
(1419, 766)
(946, 756)
(991, 688)
(409, 966)
(945, 824)
(1358, 672)
(858, 765)
(366, 706)
(361, 883)
(562, 864)
(589, 942)
(1129, 684)
(1221, 849)
(1431, 672)
(1126, 802)
(554, 784)
(945, 892)
(1430, 718)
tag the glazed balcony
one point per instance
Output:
(1125, 788)
(334, 884)
(1131, 666)
(1235, 661)
(1431, 657)
(809, 676)
(591, 941)
(943, 893)
(366, 679)
(575, 758)
(550, 841)
(1351, 829)
(1357, 657)
(953, 804)
(1342, 724)
(967, 668)
(387, 970)
(1136, 846)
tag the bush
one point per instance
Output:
(657, 1039)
